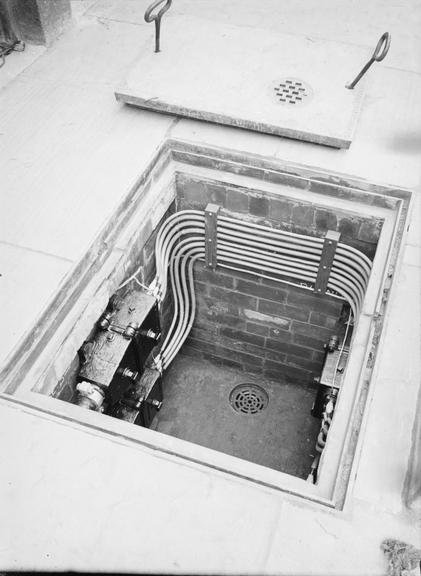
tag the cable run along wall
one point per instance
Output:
(243, 246)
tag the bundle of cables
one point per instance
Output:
(244, 246)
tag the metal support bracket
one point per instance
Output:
(326, 260)
(211, 226)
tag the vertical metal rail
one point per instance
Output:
(211, 239)
(326, 261)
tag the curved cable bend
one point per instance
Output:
(242, 245)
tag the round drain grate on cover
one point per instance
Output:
(292, 91)
(248, 398)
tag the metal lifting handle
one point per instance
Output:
(149, 17)
(379, 54)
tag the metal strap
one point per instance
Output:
(326, 261)
(211, 227)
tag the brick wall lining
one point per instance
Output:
(261, 326)
(275, 211)
(251, 323)
(258, 325)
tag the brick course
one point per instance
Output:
(245, 324)
(280, 212)
(256, 324)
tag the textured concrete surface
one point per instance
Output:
(360, 22)
(75, 499)
(20, 266)
(197, 409)
(16, 62)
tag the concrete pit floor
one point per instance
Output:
(196, 408)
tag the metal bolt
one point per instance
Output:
(127, 373)
(319, 289)
(324, 267)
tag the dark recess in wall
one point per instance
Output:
(38, 21)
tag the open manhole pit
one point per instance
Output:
(268, 324)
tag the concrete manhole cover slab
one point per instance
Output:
(227, 74)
